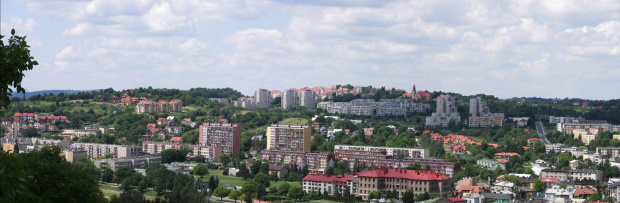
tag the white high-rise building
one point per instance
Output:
(306, 99)
(447, 112)
(289, 99)
(263, 98)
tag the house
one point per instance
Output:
(161, 121)
(176, 139)
(551, 194)
(490, 164)
(174, 128)
(503, 186)
(506, 155)
(279, 171)
(233, 171)
(368, 131)
(531, 141)
(549, 182)
(186, 121)
(584, 192)
(458, 148)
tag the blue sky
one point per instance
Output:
(544, 48)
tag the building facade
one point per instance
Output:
(211, 153)
(289, 137)
(97, 151)
(387, 180)
(227, 136)
(447, 112)
(306, 99)
(314, 161)
(289, 99)
(263, 98)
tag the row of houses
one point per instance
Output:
(368, 107)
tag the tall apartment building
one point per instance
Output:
(306, 99)
(447, 111)
(96, 151)
(289, 137)
(224, 135)
(289, 99)
(263, 98)
(480, 116)
(211, 153)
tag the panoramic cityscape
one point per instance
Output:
(310, 101)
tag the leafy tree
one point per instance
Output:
(374, 195)
(173, 155)
(200, 170)
(31, 132)
(199, 159)
(212, 184)
(539, 185)
(249, 187)
(296, 193)
(595, 197)
(408, 197)
(122, 173)
(107, 176)
(225, 159)
(247, 198)
(221, 192)
(88, 166)
(235, 195)
(422, 197)
(52, 179)
(512, 179)
(261, 191)
(14, 59)
(244, 173)
(262, 178)
(284, 188)
(132, 196)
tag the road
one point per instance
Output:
(541, 132)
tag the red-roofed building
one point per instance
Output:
(176, 139)
(332, 184)
(531, 141)
(368, 131)
(503, 161)
(458, 148)
(493, 145)
(161, 121)
(506, 155)
(401, 180)
(584, 192)
(457, 199)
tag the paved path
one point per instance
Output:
(541, 132)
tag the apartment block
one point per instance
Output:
(330, 184)
(134, 162)
(343, 151)
(481, 117)
(289, 99)
(97, 151)
(289, 137)
(263, 98)
(306, 99)
(314, 161)
(211, 153)
(609, 152)
(220, 100)
(227, 136)
(446, 112)
(146, 106)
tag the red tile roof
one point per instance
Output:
(584, 191)
(176, 139)
(456, 199)
(534, 139)
(404, 174)
(472, 188)
(509, 154)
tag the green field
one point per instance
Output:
(110, 188)
(297, 121)
(237, 181)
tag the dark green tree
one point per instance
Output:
(15, 58)
(200, 170)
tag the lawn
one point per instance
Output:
(297, 121)
(109, 188)
(237, 181)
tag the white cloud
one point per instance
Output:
(21, 26)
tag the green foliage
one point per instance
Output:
(221, 192)
(225, 158)
(512, 179)
(235, 195)
(48, 177)
(262, 178)
(408, 197)
(31, 132)
(173, 155)
(249, 187)
(200, 170)
(423, 197)
(296, 193)
(539, 186)
(14, 59)
(595, 197)
(374, 195)
(132, 196)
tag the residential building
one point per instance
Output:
(306, 99)
(227, 136)
(490, 164)
(96, 151)
(447, 111)
(314, 161)
(289, 137)
(263, 98)
(289, 99)
(388, 179)
(586, 174)
(211, 153)
(220, 100)
(279, 171)
(585, 135)
(368, 107)
(72, 155)
(480, 116)
(609, 152)
(554, 173)
(162, 106)
(141, 162)
(330, 184)
(344, 151)
(555, 193)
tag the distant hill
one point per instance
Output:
(55, 92)
(538, 99)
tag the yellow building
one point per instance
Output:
(617, 137)
(8, 147)
(295, 138)
(586, 135)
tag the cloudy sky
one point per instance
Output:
(544, 48)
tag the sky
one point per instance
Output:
(532, 48)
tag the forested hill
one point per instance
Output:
(46, 92)
(194, 96)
